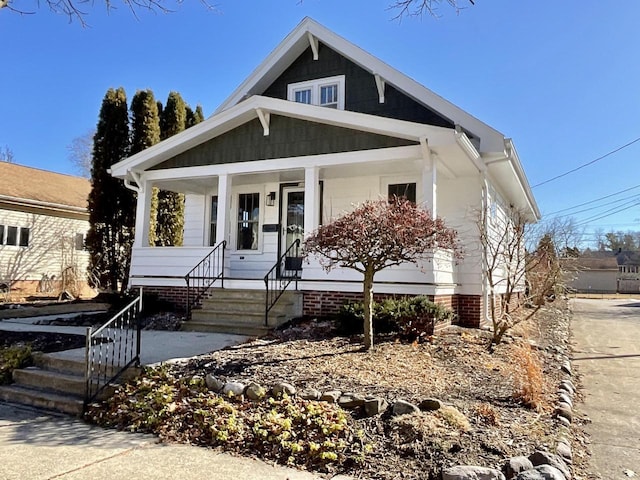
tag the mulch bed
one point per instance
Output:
(46, 342)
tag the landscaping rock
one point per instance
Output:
(331, 396)
(563, 397)
(213, 383)
(402, 407)
(568, 386)
(309, 394)
(542, 472)
(515, 465)
(281, 388)
(255, 391)
(564, 450)
(375, 406)
(430, 404)
(467, 472)
(564, 421)
(566, 367)
(351, 400)
(564, 410)
(233, 388)
(547, 458)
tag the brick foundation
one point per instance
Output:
(177, 296)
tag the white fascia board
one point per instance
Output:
(296, 42)
(17, 202)
(285, 164)
(247, 110)
(471, 151)
(518, 171)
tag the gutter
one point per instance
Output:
(58, 207)
(463, 141)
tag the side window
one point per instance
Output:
(248, 221)
(24, 237)
(326, 92)
(402, 190)
(79, 241)
(213, 221)
(12, 236)
(2, 234)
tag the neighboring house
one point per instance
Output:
(43, 221)
(591, 274)
(319, 126)
(628, 271)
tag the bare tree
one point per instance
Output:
(80, 153)
(77, 9)
(375, 236)
(518, 281)
(417, 8)
(6, 154)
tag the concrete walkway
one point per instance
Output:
(607, 355)
(38, 445)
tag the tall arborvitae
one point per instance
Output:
(145, 132)
(193, 118)
(170, 217)
(111, 205)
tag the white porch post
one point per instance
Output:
(224, 207)
(311, 199)
(143, 213)
(429, 179)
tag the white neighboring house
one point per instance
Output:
(43, 222)
(319, 126)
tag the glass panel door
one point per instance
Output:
(292, 225)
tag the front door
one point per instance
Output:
(292, 227)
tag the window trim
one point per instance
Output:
(396, 179)
(235, 222)
(315, 85)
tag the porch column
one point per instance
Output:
(311, 199)
(143, 214)
(429, 179)
(224, 207)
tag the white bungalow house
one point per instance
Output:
(43, 222)
(318, 127)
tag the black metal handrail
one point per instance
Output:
(280, 277)
(204, 274)
(112, 348)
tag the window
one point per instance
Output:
(402, 190)
(12, 236)
(79, 241)
(248, 221)
(1, 234)
(326, 92)
(213, 221)
(24, 237)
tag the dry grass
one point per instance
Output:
(528, 377)
(487, 414)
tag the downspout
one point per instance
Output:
(136, 177)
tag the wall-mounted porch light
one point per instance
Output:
(271, 199)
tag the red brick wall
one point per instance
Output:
(175, 295)
(469, 310)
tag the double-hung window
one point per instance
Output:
(248, 221)
(325, 92)
(402, 190)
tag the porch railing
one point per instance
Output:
(204, 274)
(111, 349)
(280, 277)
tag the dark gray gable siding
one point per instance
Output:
(288, 137)
(361, 93)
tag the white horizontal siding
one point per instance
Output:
(51, 247)
(196, 220)
(165, 261)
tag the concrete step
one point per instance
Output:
(226, 327)
(41, 399)
(34, 377)
(246, 318)
(236, 308)
(59, 363)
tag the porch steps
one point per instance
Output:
(53, 383)
(241, 312)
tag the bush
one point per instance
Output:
(413, 318)
(12, 358)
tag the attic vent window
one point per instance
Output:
(325, 92)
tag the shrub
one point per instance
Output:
(528, 376)
(12, 358)
(413, 318)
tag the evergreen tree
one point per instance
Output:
(193, 118)
(145, 132)
(111, 205)
(170, 214)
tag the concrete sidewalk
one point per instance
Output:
(39, 445)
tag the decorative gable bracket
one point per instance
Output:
(265, 119)
(380, 83)
(313, 41)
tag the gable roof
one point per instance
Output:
(20, 185)
(310, 31)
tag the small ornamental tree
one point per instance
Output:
(375, 236)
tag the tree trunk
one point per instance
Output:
(368, 309)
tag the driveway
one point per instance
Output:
(606, 335)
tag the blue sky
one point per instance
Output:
(560, 78)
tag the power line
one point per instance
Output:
(606, 214)
(588, 163)
(613, 202)
(593, 201)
